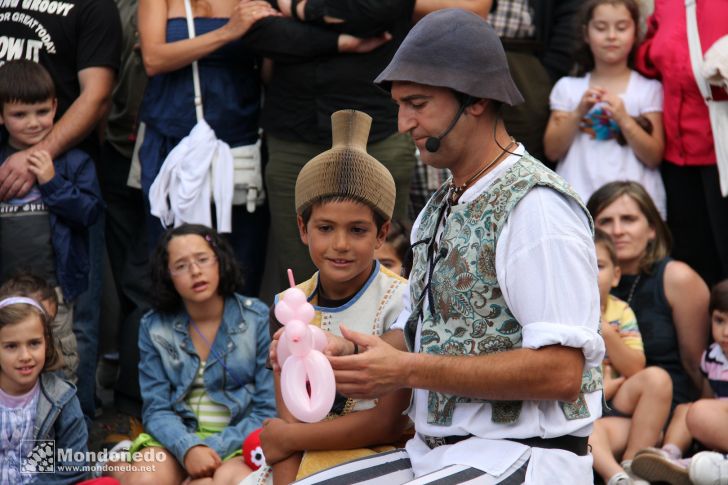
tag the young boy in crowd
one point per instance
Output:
(393, 253)
(638, 398)
(344, 201)
(46, 231)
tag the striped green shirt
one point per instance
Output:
(211, 416)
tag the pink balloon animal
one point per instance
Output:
(299, 355)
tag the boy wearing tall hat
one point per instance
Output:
(344, 203)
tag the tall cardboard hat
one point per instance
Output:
(346, 169)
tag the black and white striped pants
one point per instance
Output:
(394, 468)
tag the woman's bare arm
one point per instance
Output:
(688, 297)
(160, 56)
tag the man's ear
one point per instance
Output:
(302, 229)
(478, 107)
(382, 234)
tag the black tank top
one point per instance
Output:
(654, 318)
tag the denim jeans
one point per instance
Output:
(87, 312)
(126, 245)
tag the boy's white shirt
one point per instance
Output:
(544, 231)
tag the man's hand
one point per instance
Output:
(377, 370)
(357, 45)
(15, 177)
(273, 440)
(40, 164)
(201, 461)
(335, 346)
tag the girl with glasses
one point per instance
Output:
(202, 373)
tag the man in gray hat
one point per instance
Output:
(502, 349)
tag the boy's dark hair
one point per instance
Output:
(379, 220)
(583, 54)
(719, 297)
(26, 283)
(601, 237)
(165, 298)
(12, 314)
(24, 81)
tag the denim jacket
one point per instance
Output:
(59, 417)
(169, 362)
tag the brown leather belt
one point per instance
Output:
(575, 444)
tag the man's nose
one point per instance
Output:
(405, 123)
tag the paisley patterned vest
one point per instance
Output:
(462, 309)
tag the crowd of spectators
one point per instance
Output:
(611, 106)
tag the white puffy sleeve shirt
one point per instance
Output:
(546, 267)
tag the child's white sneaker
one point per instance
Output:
(120, 447)
(709, 468)
(620, 478)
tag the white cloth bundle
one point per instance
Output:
(181, 191)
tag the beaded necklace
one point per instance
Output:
(455, 191)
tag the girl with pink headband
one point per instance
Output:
(36, 406)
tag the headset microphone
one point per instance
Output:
(432, 144)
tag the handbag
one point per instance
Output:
(247, 172)
(718, 109)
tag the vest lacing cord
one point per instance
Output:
(432, 261)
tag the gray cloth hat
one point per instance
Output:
(454, 49)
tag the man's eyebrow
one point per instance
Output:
(413, 97)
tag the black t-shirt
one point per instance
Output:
(64, 36)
